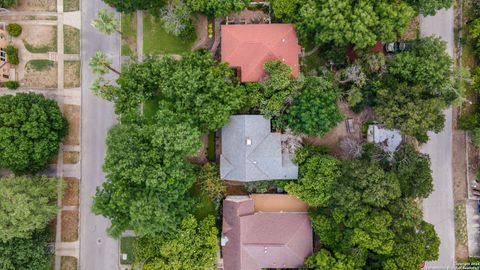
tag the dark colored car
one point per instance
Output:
(397, 46)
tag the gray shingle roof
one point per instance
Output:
(251, 152)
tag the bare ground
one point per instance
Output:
(36, 5)
(39, 35)
(40, 78)
(413, 30)
(72, 74)
(71, 157)
(68, 263)
(69, 226)
(70, 197)
(72, 113)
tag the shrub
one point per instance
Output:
(475, 137)
(210, 183)
(14, 29)
(12, 84)
(258, 186)
(12, 55)
(469, 121)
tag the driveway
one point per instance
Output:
(97, 250)
(438, 208)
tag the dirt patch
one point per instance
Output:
(36, 5)
(200, 22)
(235, 188)
(72, 113)
(70, 197)
(340, 131)
(42, 78)
(70, 157)
(72, 74)
(68, 263)
(69, 226)
(39, 38)
(413, 30)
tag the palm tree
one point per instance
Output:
(106, 22)
(100, 64)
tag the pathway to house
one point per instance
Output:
(66, 98)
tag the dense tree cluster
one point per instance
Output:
(217, 8)
(193, 246)
(147, 176)
(361, 23)
(133, 5)
(28, 205)
(364, 211)
(31, 129)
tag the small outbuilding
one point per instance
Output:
(388, 139)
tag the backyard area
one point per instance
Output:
(158, 42)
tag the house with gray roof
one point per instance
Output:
(269, 231)
(252, 152)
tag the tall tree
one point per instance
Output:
(315, 110)
(217, 8)
(133, 5)
(106, 22)
(31, 129)
(26, 253)
(100, 64)
(194, 246)
(26, 205)
(147, 176)
(429, 7)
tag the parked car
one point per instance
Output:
(397, 46)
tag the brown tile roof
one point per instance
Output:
(259, 240)
(250, 46)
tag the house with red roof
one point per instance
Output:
(265, 231)
(246, 47)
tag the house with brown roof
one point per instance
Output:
(265, 231)
(246, 47)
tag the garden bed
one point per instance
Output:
(36, 5)
(70, 197)
(40, 73)
(126, 247)
(129, 34)
(71, 74)
(71, 40)
(69, 226)
(39, 38)
(72, 113)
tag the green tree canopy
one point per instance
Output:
(314, 111)
(429, 7)
(196, 88)
(31, 129)
(217, 8)
(106, 22)
(26, 205)
(147, 176)
(194, 246)
(133, 5)
(347, 21)
(26, 253)
(7, 3)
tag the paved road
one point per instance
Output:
(97, 250)
(438, 208)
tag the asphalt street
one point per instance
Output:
(438, 208)
(97, 250)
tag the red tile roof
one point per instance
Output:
(256, 240)
(248, 46)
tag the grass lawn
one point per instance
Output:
(72, 39)
(205, 206)
(71, 5)
(68, 263)
(72, 74)
(126, 247)
(157, 41)
(40, 65)
(129, 34)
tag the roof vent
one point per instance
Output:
(283, 40)
(248, 142)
